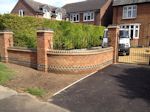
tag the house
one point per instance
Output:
(97, 12)
(36, 9)
(135, 16)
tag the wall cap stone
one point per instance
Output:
(5, 31)
(44, 31)
(21, 49)
(40, 30)
(79, 52)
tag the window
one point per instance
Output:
(59, 16)
(46, 14)
(133, 30)
(74, 17)
(21, 13)
(129, 12)
(88, 16)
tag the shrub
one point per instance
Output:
(67, 35)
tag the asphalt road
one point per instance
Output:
(117, 88)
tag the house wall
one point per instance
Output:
(22, 5)
(143, 17)
(96, 18)
(106, 13)
(103, 16)
(105, 20)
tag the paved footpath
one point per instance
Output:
(11, 101)
(117, 88)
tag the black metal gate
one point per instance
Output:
(137, 56)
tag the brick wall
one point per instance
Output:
(44, 58)
(96, 18)
(79, 61)
(22, 56)
(142, 18)
(106, 13)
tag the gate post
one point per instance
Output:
(113, 40)
(6, 40)
(44, 42)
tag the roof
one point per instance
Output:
(84, 6)
(36, 6)
(128, 2)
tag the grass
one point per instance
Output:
(36, 91)
(5, 74)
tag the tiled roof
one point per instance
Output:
(127, 2)
(36, 6)
(84, 6)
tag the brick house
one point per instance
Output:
(97, 12)
(135, 16)
(37, 9)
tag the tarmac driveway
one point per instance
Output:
(117, 88)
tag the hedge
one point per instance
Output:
(67, 35)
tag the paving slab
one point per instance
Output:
(6, 92)
(12, 101)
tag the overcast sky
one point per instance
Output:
(7, 5)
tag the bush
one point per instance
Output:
(67, 35)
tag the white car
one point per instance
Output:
(124, 41)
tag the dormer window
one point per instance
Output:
(46, 14)
(59, 16)
(21, 13)
(45, 10)
(129, 12)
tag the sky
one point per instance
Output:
(7, 5)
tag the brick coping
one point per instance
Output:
(21, 49)
(64, 52)
(79, 52)
(6, 32)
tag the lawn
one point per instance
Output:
(5, 74)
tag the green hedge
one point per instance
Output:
(67, 35)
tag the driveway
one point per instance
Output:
(117, 88)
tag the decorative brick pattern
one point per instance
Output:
(77, 61)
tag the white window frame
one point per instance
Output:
(74, 15)
(129, 12)
(21, 12)
(88, 14)
(136, 27)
